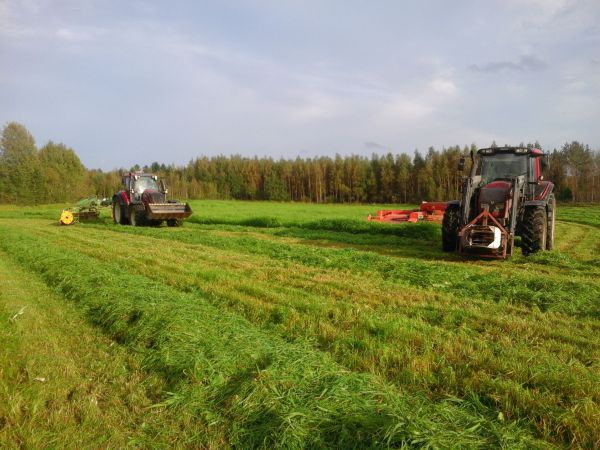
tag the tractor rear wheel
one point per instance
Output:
(551, 222)
(450, 228)
(119, 217)
(174, 222)
(534, 230)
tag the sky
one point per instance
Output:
(125, 82)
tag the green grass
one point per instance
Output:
(297, 325)
(65, 384)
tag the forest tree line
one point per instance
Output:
(54, 174)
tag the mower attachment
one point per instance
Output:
(429, 211)
(85, 209)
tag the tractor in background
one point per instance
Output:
(143, 201)
(504, 196)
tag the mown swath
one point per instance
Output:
(268, 391)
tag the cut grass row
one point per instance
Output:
(522, 363)
(521, 287)
(63, 384)
(583, 214)
(228, 374)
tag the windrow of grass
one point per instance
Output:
(63, 384)
(262, 390)
(495, 357)
(520, 287)
(583, 214)
(422, 230)
(580, 242)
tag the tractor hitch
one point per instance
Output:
(486, 237)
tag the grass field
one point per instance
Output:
(293, 326)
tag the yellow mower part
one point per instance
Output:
(67, 217)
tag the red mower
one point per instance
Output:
(429, 211)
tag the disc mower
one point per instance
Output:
(505, 195)
(428, 211)
(143, 201)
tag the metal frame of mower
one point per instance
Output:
(521, 205)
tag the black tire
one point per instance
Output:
(551, 222)
(534, 230)
(450, 228)
(119, 216)
(174, 222)
(134, 218)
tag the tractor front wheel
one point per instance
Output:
(534, 230)
(174, 222)
(551, 223)
(136, 218)
(450, 228)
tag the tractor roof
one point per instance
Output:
(137, 174)
(516, 150)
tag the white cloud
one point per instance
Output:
(316, 106)
(71, 35)
(547, 7)
(406, 109)
(443, 86)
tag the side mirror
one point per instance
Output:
(461, 164)
(545, 162)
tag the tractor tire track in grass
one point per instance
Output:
(503, 365)
(263, 390)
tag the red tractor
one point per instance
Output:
(143, 201)
(504, 196)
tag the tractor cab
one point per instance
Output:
(137, 183)
(506, 163)
(142, 183)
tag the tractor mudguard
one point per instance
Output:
(117, 199)
(535, 203)
(542, 196)
(543, 191)
(121, 198)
